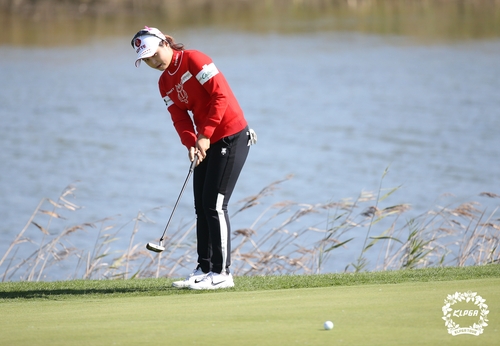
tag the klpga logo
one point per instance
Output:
(473, 306)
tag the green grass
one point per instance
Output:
(82, 289)
(380, 308)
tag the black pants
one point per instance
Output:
(213, 183)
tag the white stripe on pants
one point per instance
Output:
(223, 229)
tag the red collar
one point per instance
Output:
(175, 62)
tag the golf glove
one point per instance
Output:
(252, 137)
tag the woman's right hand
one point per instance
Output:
(193, 152)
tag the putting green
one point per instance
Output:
(399, 314)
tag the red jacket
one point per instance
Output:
(193, 84)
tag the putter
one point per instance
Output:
(159, 247)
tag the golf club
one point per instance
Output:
(159, 247)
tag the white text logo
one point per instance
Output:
(465, 309)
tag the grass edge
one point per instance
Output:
(83, 289)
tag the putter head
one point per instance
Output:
(155, 247)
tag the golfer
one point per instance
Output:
(212, 127)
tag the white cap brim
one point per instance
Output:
(148, 45)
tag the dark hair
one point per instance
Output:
(175, 46)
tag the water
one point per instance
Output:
(333, 109)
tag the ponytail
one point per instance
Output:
(173, 44)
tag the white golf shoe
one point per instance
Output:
(213, 281)
(197, 274)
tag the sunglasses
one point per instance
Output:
(144, 33)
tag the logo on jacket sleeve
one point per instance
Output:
(168, 101)
(206, 73)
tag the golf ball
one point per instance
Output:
(328, 325)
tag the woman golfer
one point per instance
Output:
(211, 125)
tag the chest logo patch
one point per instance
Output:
(181, 93)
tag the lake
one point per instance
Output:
(334, 108)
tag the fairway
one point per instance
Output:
(387, 314)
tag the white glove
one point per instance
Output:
(252, 137)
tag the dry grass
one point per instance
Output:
(284, 238)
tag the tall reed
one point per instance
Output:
(284, 238)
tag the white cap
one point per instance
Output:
(146, 42)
